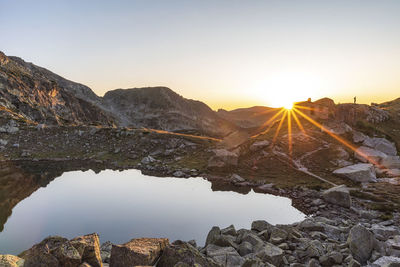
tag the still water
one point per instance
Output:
(123, 205)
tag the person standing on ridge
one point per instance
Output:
(355, 99)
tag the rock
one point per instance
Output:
(386, 261)
(245, 248)
(278, 236)
(192, 243)
(393, 246)
(331, 258)
(315, 249)
(225, 241)
(384, 232)
(367, 154)
(141, 251)
(148, 160)
(252, 238)
(361, 172)
(338, 195)
(225, 256)
(183, 253)
(259, 145)
(178, 174)
(213, 235)
(11, 261)
(313, 263)
(341, 153)
(354, 263)
(361, 243)
(266, 187)
(105, 251)
(382, 145)
(223, 158)
(3, 142)
(310, 225)
(67, 255)
(359, 137)
(230, 230)
(41, 254)
(271, 254)
(261, 225)
(391, 162)
(88, 247)
(237, 179)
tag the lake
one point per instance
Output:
(121, 205)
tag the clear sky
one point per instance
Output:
(228, 54)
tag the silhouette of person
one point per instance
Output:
(355, 99)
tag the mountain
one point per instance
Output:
(38, 95)
(162, 108)
(249, 117)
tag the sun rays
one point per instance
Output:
(295, 113)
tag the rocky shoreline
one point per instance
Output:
(339, 233)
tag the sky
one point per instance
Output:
(226, 53)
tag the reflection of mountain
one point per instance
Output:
(18, 180)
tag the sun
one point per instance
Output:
(288, 106)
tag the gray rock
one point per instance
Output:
(230, 230)
(361, 172)
(361, 243)
(391, 162)
(245, 248)
(237, 179)
(331, 258)
(223, 158)
(311, 226)
(338, 195)
(147, 160)
(278, 236)
(271, 254)
(3, 142)
(384, 232)
(359, 137)
(382, 145)
(259, 145)
(105, 251)
(178, 174)
(367, 154)
(213, 235)
(225, 256)
(261, 225)
(354, 263)
(386, 261)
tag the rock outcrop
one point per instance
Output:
(338, 195)
(362, 172)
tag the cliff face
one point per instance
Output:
(39, 95)
(162, 108)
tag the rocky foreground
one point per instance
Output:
(340, 233)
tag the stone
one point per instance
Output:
(223, 158)
(259, 145)
(67, 255)
(315, 249)
(311, 226)
(261, 225)
(331, 258)
(11, 261)
(271, 254)
(105, 251)
(225, 256)
(382, 145)
(140, 251)
(354, 263)
(384, 232)
(362, 172)
(225, 241)
(213, 235)
(88, 247)
(252, 238)
(386, 261)
(367, 154)
(359, 137)
(230, 230)
(183, 253)
(313, 263)
(148, 160)
(338, 195)
(237, 179)
(361, 243)
(391, 162)
(178, 174)
(3, 142)
(278, 236)
(245, 248)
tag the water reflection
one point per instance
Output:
(123, 205)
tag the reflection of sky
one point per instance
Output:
(123, 205)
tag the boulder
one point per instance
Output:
(367, 154)
(140, 251)
(278, 236)
(225, 256)
(261, 225)
(245, 248)
(310, 225)
(148, 160)
(338, 195)
(230, 230)
(272, 254)
(105, 251)
(361, 172)
(331, 259)
(237, 179)
(213, 235)
(222, 158)
(183, 253)
(359, 137)
(259, 145)
(88, 247)
(67, 255)
(384, 232)
(361, 243)
(11, 261)
(391, 162)
(3, 142)
(386, 261)
(382, 145)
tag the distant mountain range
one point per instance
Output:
(39, 95)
